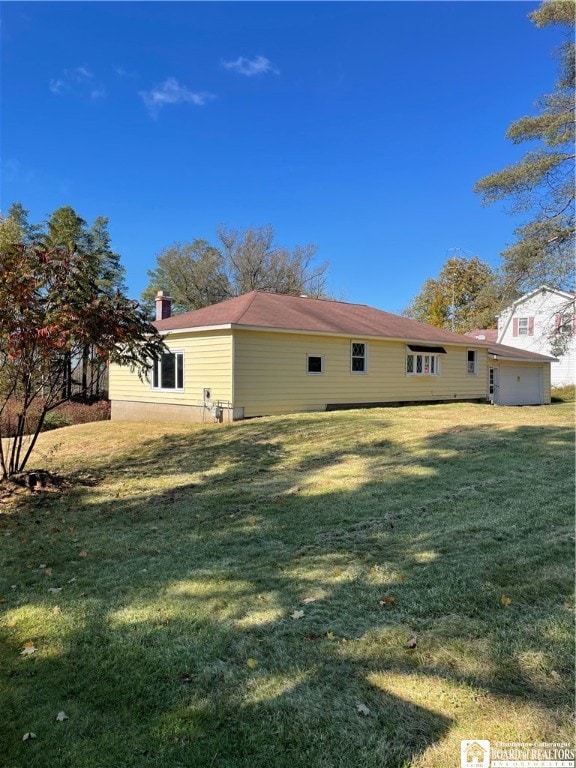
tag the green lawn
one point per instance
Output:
(211, 596)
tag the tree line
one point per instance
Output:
(198, 274)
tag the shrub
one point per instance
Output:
(64, 415)
(564, 394)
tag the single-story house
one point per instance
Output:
(263, 353)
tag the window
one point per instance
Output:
(523, 326)
(472, 361)
(314, 364)
(359, 362)
(564, 323)
(168, 372)
(422, 365)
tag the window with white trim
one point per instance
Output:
(314, 364)
(168, 372)
(523, 326)
(422, 364)
(472, 362)
(359, 357)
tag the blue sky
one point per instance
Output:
(360, 127)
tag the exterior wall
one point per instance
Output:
(506, 386)
(270, 374)
(543, 306)
(207, 364)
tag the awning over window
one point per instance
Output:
(423, 348)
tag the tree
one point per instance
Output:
(68, 232)
(463, 296)
(541, 185)
(192, 274)
(254, 262)
(198, 274)
(51, 307)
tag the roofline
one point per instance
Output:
(472, 342)
(567, 294)
(539, 359)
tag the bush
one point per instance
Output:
(564, 394)
(65, 415)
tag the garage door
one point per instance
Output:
(519, 385)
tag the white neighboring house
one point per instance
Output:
(543, 321)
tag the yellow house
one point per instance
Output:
(262, 353)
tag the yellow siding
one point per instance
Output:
(207, 363)
(270, 374)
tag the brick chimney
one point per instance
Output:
(163, 306)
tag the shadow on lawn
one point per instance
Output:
(419, 538)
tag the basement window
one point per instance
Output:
(314, 364)
(168, 372)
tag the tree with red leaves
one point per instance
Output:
(52, 308)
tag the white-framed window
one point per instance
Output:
(422, 364)
(168, 372)
(359, 357)
(315, 364)
(472, 362)
(523, 326)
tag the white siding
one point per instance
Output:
(543, 306)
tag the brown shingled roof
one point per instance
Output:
(484, 334)
(273, 311)
(258, 309)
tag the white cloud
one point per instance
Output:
(79, 81)
(250, 67)
(171, 92)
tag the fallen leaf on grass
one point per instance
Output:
(251, 520)
(83, 553)
(185, 677)
(505, 600)
(308, 600)
(54, 590)
(48, 572)
(387, 600)
(28, 736)
(312, 636)
(297, 614)
(28, 649)
(362, 709)
(338, 571)
(412, 643)
(2, 599)
(330, 635)
(251, 663)
(373, 571)
(61, 716)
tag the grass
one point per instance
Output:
(184, 554)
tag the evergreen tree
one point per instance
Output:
(542, 183)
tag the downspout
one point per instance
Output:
(233, 374)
